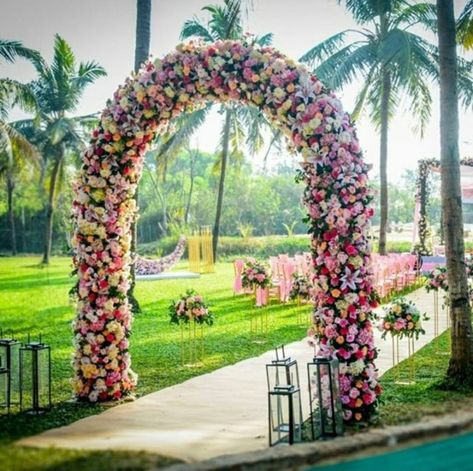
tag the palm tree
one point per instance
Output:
(226, 23)
(465, 26)
(18, 158)
(17, 155)
(142, 42)
(459, 369)
(392, 61)
(57, 92)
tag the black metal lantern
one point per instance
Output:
(324, 392)
(4, 388)
(35, 377)
(10, 352)
(285, 415)
(283, 371)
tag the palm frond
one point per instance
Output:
(325, 49)
(465, 81)
(348, 63)
(88, 73)
(410, 15)
(361, 97)
(193, 28)
(364, 11)
(374, 96)
(465, 26)
(14, 93)
(10, 50)
(16, 152)
(185, 126)
(265, 40)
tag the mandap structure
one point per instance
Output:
(336, 196)
(421, 223)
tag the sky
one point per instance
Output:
(104, 30)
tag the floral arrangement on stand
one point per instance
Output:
(144, 266)
(302, 288)
(402, 318)
(190, 307)
(437, 279)
(336, 196)
(255, 274)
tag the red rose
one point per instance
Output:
(110, 338)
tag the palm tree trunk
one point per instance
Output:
(23, 230)
(48, 237)
(11, 216)
(142, 40)
(383, 161)
(459, 371)
(191, 189)
(143, 32)
(221, 184)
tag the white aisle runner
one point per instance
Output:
(223, 412)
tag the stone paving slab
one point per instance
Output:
(219, 413)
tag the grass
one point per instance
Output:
(34, 300)
(403, 403)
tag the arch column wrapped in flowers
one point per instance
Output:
(336, 196)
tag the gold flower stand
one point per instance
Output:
(192, 345)
(410, 360)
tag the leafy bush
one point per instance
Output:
(258, 247)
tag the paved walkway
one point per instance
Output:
(223, 412)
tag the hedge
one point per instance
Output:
(258, 247)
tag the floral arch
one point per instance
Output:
(336, 197)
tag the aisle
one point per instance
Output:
(223, 412)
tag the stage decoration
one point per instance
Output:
(336, 196)
(421, 224)
(145, 266)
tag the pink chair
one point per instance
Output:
(238, 266)
(288, 269)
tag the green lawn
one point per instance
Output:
(34, 300)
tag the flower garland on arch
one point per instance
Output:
(336, 196)
(425, 167)
(145, 266)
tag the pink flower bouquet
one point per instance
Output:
(255, 274)
(302, 287)
(190, 307)
(437, 279)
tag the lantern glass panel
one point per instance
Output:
(285, 416)
(10, 352)
(282, 373)
(4, 396)
(326, 406)
(35, 377)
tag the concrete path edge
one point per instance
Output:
(306, 454)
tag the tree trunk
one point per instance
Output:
(143, 32)
(142, 40)
(383, 161)
(460, 372)
(23, 230)
(48, 237)
(191, 189)
(221, 184)
(11, 215)
(164, 222)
